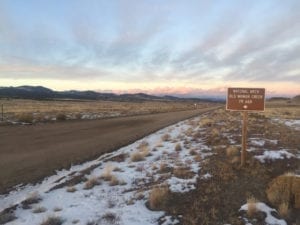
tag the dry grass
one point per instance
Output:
(285, 190)
(71, 189)
(251, 203)
(193, 152)
(143, 145)
(137, 156)
(15, 107)
(158, 197)
(57, 209)
(117, 169)
(107, 173)
(33, 198)
(206, 122)
(165, 137)
(53, 220)
(198, 158)
(25, 118)
(75, 221)
(159, 144)
(283, 209)
(114, 181)
(92, 182)
(183, 172)
(110, 218)
(140, 154)
(215, 132)
(286, 112)
(232, 151)
(164, 168)
(39, 209)
(235, 160)
(178, 147)
(6, 217)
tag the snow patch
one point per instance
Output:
(273, 155)
(270, 219)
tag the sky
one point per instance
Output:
(187, 48)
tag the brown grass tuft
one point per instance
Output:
(183, 172)
(280, 190)
(137, 156)
(235, 160)
(114, 181)
(193, 152)
(178, 147)
(107, 173)
(57, 209)
(39, 209)
(140, 154)
(166, 137)
(110, 218)
(198, 158)
(33, 198)
(215, 132)
(143, 144)
(164, 168)
(158, 197)
(90, 183)
(283, 209)
(251, 203)
(71, 189)
(206, 122)
(53, 221)
(232, 151)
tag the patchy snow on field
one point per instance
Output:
(116, 187)
(260, 142)
(270, 219)
(295, 124)
(274, 155)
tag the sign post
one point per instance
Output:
(2, 113)
(245, 100)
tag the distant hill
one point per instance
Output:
(279, 99)
(42, 93)
(296, 98)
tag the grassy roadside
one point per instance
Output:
(217, 200)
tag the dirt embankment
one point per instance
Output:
(29, 153)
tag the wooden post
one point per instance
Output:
(2, 113)
(244, 138)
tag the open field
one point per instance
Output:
(21, 110)
(188, 173)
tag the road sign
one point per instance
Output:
(245, 99)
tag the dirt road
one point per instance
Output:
(29, 153)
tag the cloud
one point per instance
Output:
(140, 41)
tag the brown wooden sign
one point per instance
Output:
(245, 99)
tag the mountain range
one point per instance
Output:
(42, 93)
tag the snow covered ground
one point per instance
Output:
(117, 185)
